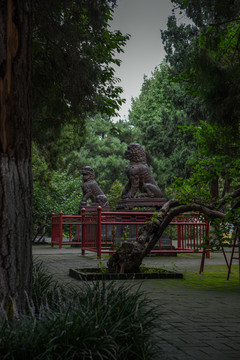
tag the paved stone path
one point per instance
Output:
(195, 323)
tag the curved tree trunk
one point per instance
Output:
(129, 256)
(15, 155)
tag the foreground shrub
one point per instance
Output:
(101, 320)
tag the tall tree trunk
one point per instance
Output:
(15, 155)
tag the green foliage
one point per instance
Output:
(73, 76)
(60, 142)
(114, 194)
(66, 193)
(98, 321)
(154, 217)
(41, 171)
(125, 237)
(157, 114)
(102, 267)
(214, 176)
(209, 164)
(179, 42)
(63, 193)
(204, 59)
(104, 151)
(152, 269)
(204, 13)
(73, 53)
(213, 279)
(53, 191)
(212, 70)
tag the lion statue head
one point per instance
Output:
(88, 173)
(135, 153)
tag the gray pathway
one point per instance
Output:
(194, 323)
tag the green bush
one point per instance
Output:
(114, 194)
(101, 320)
(63, 193)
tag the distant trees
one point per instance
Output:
(157, 114)
(211, 61)
(103, 150)
(212, 75)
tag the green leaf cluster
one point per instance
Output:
(104, 148)
(53, 191)
(212, 70)
(156, 115)
(73, 55)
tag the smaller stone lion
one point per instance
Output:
(139, 175)
(91, 189)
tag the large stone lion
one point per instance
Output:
(139, 175)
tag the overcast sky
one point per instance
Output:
(142, 19)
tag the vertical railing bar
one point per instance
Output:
(52, 230)
(99, 226)
(83, 230)
(60, 229)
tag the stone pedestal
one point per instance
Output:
(92, 208)
(129, 204)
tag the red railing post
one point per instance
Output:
(179, 245)
(52, 230)
(60, 229)
(70, 233)
(99, 228)
(83, 230)
(207, 234)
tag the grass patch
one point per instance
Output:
(214, 278)
(152, 269)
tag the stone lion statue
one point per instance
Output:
(139, 175)
(91, 189)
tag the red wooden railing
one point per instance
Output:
(102, 231)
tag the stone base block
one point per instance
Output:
(129, 204)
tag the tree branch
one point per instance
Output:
(163, 220)
(234, 194)
(225, 22)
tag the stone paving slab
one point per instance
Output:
(194, 323)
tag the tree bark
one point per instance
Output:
(15, 155)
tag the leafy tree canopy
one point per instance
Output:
(157, 114)
(73, 53)
(209, 166)
(212, 72)
(104, 148)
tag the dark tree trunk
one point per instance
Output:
(214, 188)
(15, 155)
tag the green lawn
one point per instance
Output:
(214, 278)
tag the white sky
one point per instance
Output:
(142, 19)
